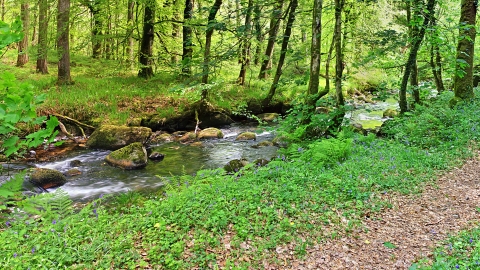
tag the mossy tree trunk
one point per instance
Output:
(187, 39)
(146, 47)
(42, 66)
(339, 65)
(463, 81)
(245, 44)
(63, 43)
(22, 57)
(436, 58)
(315, 52)
(412, 56)
(208, 43)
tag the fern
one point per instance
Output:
(11, 187)
(55, 205)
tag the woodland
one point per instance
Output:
(321, 202)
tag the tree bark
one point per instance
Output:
(412, 56)
(283, 53)
(63, 43)
(3, 10)
(22, 57)
(272, 37)
(146, 47)
(315, 52)
(413, 33)
(130, 49)
(187, 40)
(245, 45)
(463, 80)
(339, 64)
(42, 66)
(258, 34)
(96, 29)
(208, 43)
(327, 65)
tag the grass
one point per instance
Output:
(311, 191)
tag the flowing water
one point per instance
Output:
(99, 178)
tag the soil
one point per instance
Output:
(415, 225)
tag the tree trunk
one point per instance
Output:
(327, 65)
(315, 53)
(3, 10)
(187, 43)
(463, 80)
(245, 45)
(22, 57)
(413, 33)
(42, 66)
(258, 34)
(436, 64)
(96, 29)
(208, 43)
(34, 24)
(130, 49)
(339, 64)
(283, 53)
(272, 37)
(63, 43)
(412, 56)
(175, 33)
(146, 47)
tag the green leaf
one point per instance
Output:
(413, 267)
(389, 245)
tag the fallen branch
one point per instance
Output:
(78, 123)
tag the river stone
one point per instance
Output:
(262, 144)
(130, 157)
(210, 133)
(75, 163)
(268, 117)
(235, 165)
(46, 178)
(260, 162)
(280, 141)
(188, 137)
(156, 156)
(246, 136)
(215, 120)
(391, 113)
(73, 172)
(196, 144)
(161, 137)
(115, 137)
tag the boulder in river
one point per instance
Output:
(391, 113)
(268, 117)
(46, 178)
(235, 165)
(115, 137)
(263, 144)
(156, 156)
(130, 157)
(246, 136)
(210, 133)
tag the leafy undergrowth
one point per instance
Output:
(311, 191)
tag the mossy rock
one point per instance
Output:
(46, 178)
(134, 122)
(391, 113)
(246, 136)
(188, 137)
(161, 137)
(196, 144)
(3, 158)
(210, 133)
(235, 165)
(130, 157)
(268, 117)
(263, 144)
(260, 162)
(115, 137)
(280, 141)
(156, 156)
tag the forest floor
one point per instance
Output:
(414, 226)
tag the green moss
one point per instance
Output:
(245, 136)
(130, 152)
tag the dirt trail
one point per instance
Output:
(415, 224)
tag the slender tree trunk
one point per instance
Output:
(208, 43)
(34, 24)
(412, 56)
(327, 65)
(146, 47)
(339, 64)
(96, 29)
(130, 48)
(436, 64)
(283, 53)
(22, 57)
(187, 40)
(413, 33)
(175, 33)
(245, 45)
(42, 66)
(258, 34)
(63, 43)
(315, 52)
(272, 37)
(3, 10)
(109, 40)
(463, 80)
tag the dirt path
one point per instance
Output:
(415, 224)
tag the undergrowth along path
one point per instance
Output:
(410, 230)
